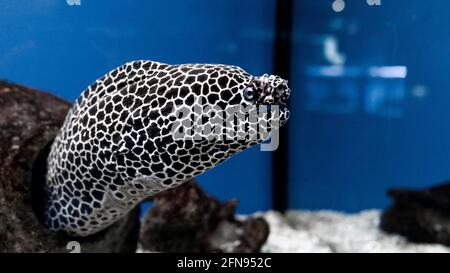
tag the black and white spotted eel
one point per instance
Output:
(117, 145)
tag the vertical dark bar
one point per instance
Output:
(282, 67)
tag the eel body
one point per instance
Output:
(146, 127)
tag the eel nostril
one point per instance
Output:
(269, 99)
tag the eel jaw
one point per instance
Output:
(274, 91)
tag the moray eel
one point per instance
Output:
(118, 144)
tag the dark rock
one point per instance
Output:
(186, 219)
(29, 121)
(422, 216)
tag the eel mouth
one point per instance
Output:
(273, 91)
(283, 112)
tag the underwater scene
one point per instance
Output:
(227, 126)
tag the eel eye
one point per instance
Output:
(249, 93)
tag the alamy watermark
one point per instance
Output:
(249, 124)
(73, 247)
(339, 5)
(73, 2)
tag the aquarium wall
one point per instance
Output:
(369, 104)
(63, 48)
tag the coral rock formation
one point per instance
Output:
(186, 219)
(29, 120)
(420, 215)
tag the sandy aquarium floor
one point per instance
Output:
(334, 232)
(329, 231)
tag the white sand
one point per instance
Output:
(329, 231)
(332, 232)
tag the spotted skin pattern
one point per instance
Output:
(117, 145)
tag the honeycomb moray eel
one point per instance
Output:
(117, 145)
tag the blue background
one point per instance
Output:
(345, 150)
(345, 158)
